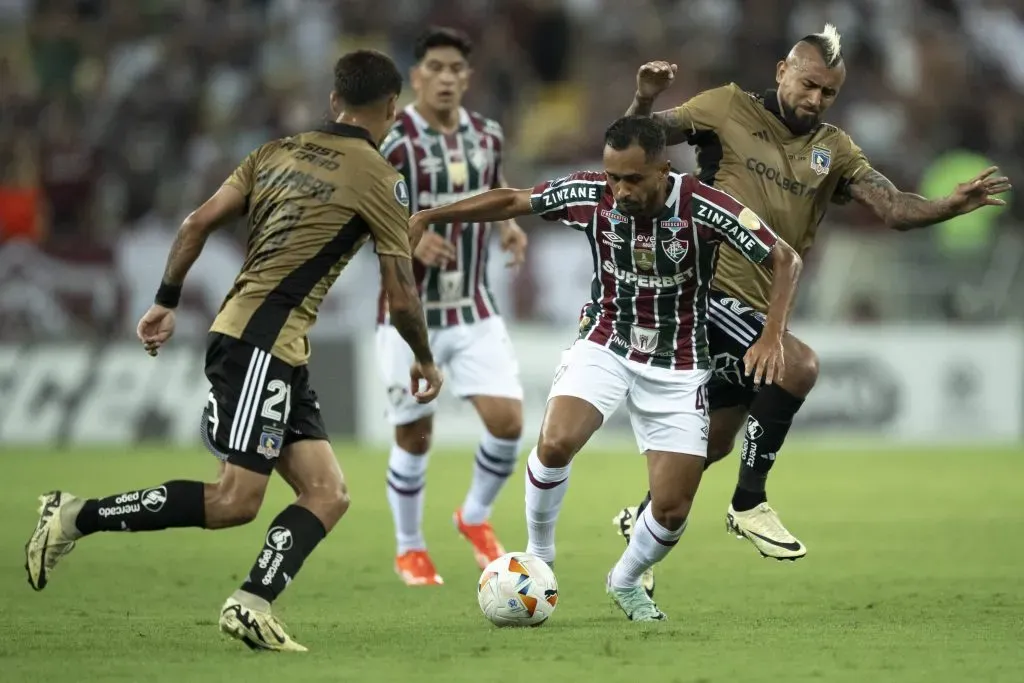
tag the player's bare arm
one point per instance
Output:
(227, 203)
(513, 237)
(494, 205)
(407, 317)
(652, 79)
(906, 210)
(157, 325)
(765, 358)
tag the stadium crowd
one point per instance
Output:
(117, 117)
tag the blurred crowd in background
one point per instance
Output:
(117, 117)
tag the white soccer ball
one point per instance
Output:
(517, 589)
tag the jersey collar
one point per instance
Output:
(421, 123)
(348, 131)
(675, 189)
(770, 101)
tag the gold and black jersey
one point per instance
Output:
(788, 180)
(312, 201)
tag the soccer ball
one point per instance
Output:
(517, 589)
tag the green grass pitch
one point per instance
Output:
(915, 572)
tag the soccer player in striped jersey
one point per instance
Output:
(654, 235)
(773, 152)
(445, 153)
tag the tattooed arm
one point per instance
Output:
(404, 305)
(704, 111)
(156, 326)
(677, 128)
(228, 202)
(906, 210)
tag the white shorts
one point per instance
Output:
(477, 360)
(667, 408)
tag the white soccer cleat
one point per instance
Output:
(634, 602)
(51, 539)
(258, 629)
(624, 523)
(762, 527)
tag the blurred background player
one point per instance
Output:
(654, 235)
(308, 215)
(446, 152)
(773, 152)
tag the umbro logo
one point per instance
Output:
(761, 135)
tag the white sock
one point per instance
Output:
(650, 543)
(407, 483)
(494, 464)
(545, 490)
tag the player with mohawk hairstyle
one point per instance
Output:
(774, 154)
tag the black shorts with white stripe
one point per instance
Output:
(733, 327)
(257, 406)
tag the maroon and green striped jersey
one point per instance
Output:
(441, 169)
(649, 297)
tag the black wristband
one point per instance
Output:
(168, 295)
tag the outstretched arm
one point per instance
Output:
(906, 210)
(513, 238)
(493, 205)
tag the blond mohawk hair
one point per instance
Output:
(828, 43)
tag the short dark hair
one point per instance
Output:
(365, 77)
(639, 130)
(441, 36)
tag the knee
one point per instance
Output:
(802, 371)
(717, 450)
(415, 437)
(329, 495)
(556, 448)
(672, 512)
(508, 425)
(228, 506)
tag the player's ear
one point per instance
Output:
(414, 76)
(780, 71)
(335, 104)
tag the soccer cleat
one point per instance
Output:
(486, 546)
(635, 602)
(260, 630)
(762, 527)
(624, 522)
(51, 540)
(416, 569)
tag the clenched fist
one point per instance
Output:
(654, 78)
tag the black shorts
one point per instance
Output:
(258, 405)
(733, 327)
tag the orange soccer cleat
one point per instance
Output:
(486, 546)
(416, 569)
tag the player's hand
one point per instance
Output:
(980, 192)
(418, 226)
(429, 373)
(654, 78)
(765, 360)
(155, 328)
(513, 241)
(434, 250)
